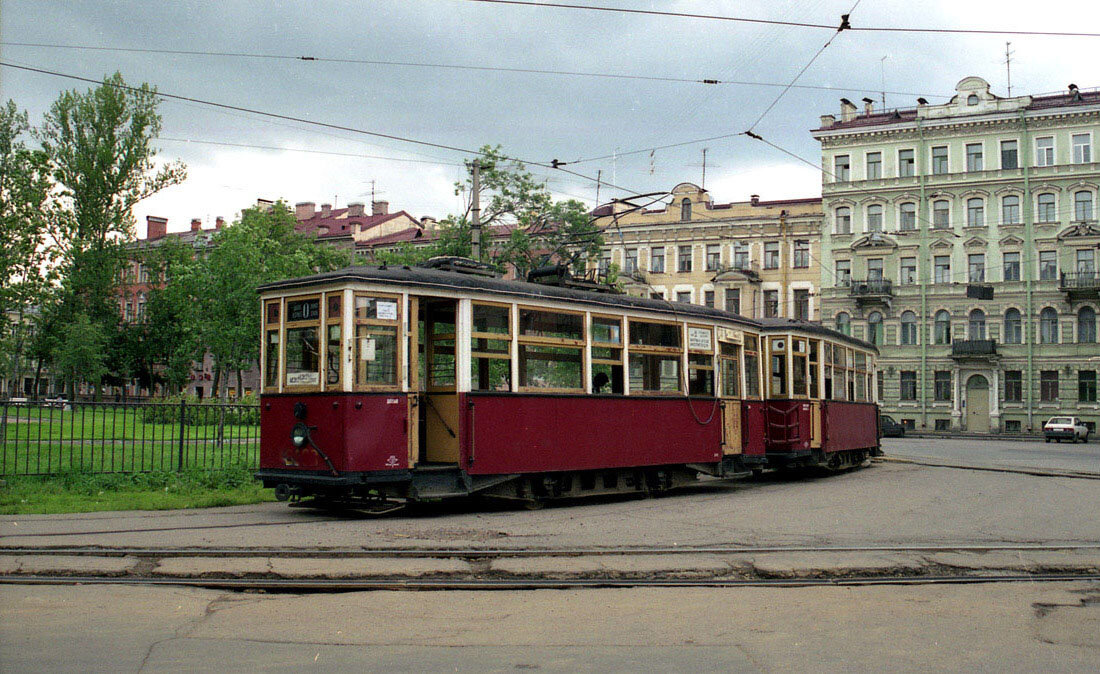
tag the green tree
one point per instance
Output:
(172, 319)
(78, 355)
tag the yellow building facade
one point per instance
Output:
(755, 258)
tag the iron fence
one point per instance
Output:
(51, 437)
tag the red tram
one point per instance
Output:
(414, 384)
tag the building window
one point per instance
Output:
(683, 296)
(874, 165)
(605, 263)
(976, 267)
(974, 157)
(771, 255)
(1014, 386)
(1086, 325)
(844, 220)
(1044, 151)
(657, 260)
(714, 256)
(740, 256)
(1011, 266)
(841, 168)
(942, 327)
(844, 323)
(1082, 148)
(941, 214)
(874, 328)
(708, 298)
(1048, 386)
(1046, 211)
(733, 300)
(975, 212)
(658, 295)
(1048, 326)
(908, 328)
(977, 325)
(941, 385)
(1013, 327)
(1085, 260)
(942, 268)
(1010, 210)
(908, 275)
(802, 304)
(906, 164)
(843, 273)
(874, 218)
(972, 99)
(1082, 206)
(1010, 158)
(908, 385)
(683, 259)
(939, 159)
(908, 216)
(685, 210)
(874, 269)
(1048, 265)
(771, 303)
(1086, 386)
(630, 261)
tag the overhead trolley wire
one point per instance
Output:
(775, 22)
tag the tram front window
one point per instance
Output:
(302, 357)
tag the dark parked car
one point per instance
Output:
(890, 428)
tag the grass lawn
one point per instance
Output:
(74, 492)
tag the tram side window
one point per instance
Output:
(376, 321)
(271, 348)
(778, 387)
(607, 355)
(860, 374)
(303, 349)
(850, 374)
(333, 340)
(730, 357)
(655, 353)
(814, 364)
(798, 367)
(491, 348)
(700, 361)
(752, 366)
(551, 350)
(827, 351)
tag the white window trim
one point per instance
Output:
(897, 168)
(1092, 153)
(1053, 151)
(867, 164)
(931, 163)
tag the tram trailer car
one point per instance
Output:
(418, 384)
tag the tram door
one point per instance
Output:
(438, 383)
(730, 364)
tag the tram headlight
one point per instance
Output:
(299, 435)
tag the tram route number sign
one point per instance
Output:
(303, 310)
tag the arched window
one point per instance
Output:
(1082, 206)
(874, 218)
(977, 325)
(1010, 210)
(843, 220)
(874, 328)
(972, 99)
(685, 209)
(1048, 326)
(941, 214)
(942, 327)
(908, 216)
(975, 212)
(1046, 212)
(844, 323)
(1013, 327)
(1086, 325)
(908, 328)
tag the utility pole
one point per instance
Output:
(704, 183)
(1008, 66)
(882, 75)
(475, 213)
(599, 175)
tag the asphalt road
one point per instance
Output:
(999, 453)
(993, 627)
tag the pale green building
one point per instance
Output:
(963, 239)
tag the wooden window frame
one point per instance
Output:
(277, 327)
(760, 359)
(329, 321)
(508, 337)
(579, 344)
(644, 349)
(290, 325)
(398, 336)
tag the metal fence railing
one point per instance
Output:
(45, 438)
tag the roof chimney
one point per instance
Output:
(754, 200)
(868, 106)
(326, 210)
(219, 222)
(355, 209)
(303, 210)
(379, 207)
(155, 227)
(828, 120)
(196, 224)
(847, 110)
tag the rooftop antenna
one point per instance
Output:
(704, 183)
(1008, 66)
(882, 75)
(599, 176)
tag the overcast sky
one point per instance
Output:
(538, 117)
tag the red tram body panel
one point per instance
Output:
(849, 425)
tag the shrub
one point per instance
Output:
(205, 412)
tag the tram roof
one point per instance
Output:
(420, 277)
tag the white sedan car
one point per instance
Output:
(1066, 428)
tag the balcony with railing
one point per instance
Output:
(974, 349)
(737, 271)
(873, 290)
(1080, 285)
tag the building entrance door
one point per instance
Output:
(977, 404)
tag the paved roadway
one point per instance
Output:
(1084, 457)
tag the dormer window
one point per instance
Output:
(685, 210)
(972, 99)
